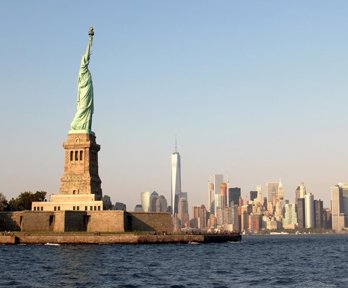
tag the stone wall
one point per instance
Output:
(10, 221)
(150, 222)
(75, 221)
(39, 221)
(105, 221)
(85, 221)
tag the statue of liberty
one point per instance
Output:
(82, 122)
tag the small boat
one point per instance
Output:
(52, 244)
(193, 243)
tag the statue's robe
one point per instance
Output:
(85, 107)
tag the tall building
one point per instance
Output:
(297, 193)
(290, 216)
(161, 205)
(183, 214)
(253, 195)
(300, 204)
(235, 218)
(337, 212)
(234, 195)
(280, 195)
(217, 202)
(176, 180)
(255, 223)
(200, 217)
(153, 202)
(318, 214)
(272, 190)
(259, 194)
(145, 201)
(211, 197)
(327, 219)
(309, 211)
(217, 181)
(302, 190)
(344, 188)
(223, 193)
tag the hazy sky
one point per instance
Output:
(256, 90)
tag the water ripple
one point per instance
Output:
(277, 261)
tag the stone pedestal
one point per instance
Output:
(81, 166)
(80, 185)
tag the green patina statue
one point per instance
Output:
(82, 122)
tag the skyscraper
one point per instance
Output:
(217, 180)
(253, 195)
(272, 190)
(302, 190)
(290, 217)
(337, 214)
(233, 195)
(309, 210)
(300, 204)
(318, 214)
(200, 217)
(223, 193)
(145, 201)
(211, 197)
(153, 202)
(280, 195)
(176, 180)
(183, 214)
(259, 194)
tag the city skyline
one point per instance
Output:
(247, 98)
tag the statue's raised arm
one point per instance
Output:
(87, 55)
(82, 122)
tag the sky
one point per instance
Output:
(256, 90)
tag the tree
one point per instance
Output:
(3, 202)
(24, 200)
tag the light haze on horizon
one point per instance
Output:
(256, 90)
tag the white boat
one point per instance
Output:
(52, 244)
(278, 233)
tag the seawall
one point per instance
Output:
(69, 238)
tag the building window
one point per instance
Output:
(73, 208)
(81, 155)
(98, 207)
(34, 208)
(41, 208)
(76, 155)
(86, 208)
(58, 208)
(55, 208)
(91, 208)
(71, 155)
(78, 208)
(95, 208)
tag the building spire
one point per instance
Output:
(176, 144)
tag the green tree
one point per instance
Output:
(24, 200)
(3, 202)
